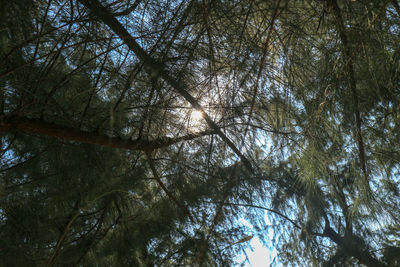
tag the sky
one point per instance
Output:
(258, 255)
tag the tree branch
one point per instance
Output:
(128, 10)
(165, 189)
(42, 128)
(351, 246)
(353, 85)
(199, 258)
(396, 7)
(62, 237)
(261, 66)
(267, 209)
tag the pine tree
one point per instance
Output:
(105, 162)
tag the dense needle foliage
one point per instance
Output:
(154, 132)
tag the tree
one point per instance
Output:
(104, 163)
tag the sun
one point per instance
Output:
(197, 115)
(196, 122)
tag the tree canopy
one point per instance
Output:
(145, 132)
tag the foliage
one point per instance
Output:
(103, 162)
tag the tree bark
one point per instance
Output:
(42, 128)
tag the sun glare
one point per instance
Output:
(197, 115)
(196, 120)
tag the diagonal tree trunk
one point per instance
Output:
(157, 69)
